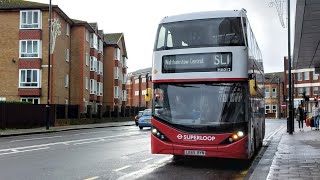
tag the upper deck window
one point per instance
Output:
(200, 33)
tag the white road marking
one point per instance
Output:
(122, 168)
(274, 132)
(67, 142)
(28, 150)
(36, 138)
(92, 178)
(145, 160)
(87, 142)
(146, 170)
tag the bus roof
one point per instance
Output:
(203, 15)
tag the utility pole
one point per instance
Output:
(278, 95)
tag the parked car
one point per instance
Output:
(145, 119)
(136, 118)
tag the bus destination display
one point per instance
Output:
(207, 62)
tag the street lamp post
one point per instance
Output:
(49, 68)
(290, 123)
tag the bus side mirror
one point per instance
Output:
(253, 87)
(147, 97)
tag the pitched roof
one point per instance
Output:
(94, 26)
(21, 4)
(141, 72)
(273, 77)
(112, 39)
(76, 21)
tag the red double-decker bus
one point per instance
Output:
(208, 86)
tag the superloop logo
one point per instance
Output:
(189, 137)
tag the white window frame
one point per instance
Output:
(267, 92)
(93, 86)
(66, 81)
(124, 78)
(99, 89)
(136, 93)
(299, 76)
(87, 59)
(116, 91)
(94, 41)
(38, 54)
(87, 83)
(87, 35)
(68, 29)
(315, 76)
(67, 55)
(38, 24)
(93, 63)
(300, 91)
(116, 72)
(124, 63)
(124, 95)
(143, 92)
(307, 90)
(307, 75)
(317, 92)
(117, 54)
(26, 99)
(274, 109)
(100, 46)
(274, 92)
(37, 81)
(267, 110)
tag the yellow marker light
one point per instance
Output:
(235, 137)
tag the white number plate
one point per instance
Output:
(194, 152)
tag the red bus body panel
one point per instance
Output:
(179, 142)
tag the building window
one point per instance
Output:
(116, 73)
(299, 76)
(29, 78)
(66, 81)
(307, 91)
(315, 90)
(100, 67)
(136, 93)
(274, 92)
(124, 79)
(117, 54)
(93, 86)
(3, 99)
(67, 55)
(68, 30)
(267, 92)
(94, 41)
(124, 63)
(93, 63)
(144, 92)
(30, 19)
(136, 81)
(306, 75)
(274, 108)
(100, 46)
(87, 59)
(31, 100)
(30, 49)
(300, 91)
(315, 76)
(87, 35)
(116, 91)
(99, 89)
(124, 95)
(267, 109)
(87, 83)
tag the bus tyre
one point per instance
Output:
(140, 127)
(177, 157)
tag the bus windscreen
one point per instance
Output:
(200, 33)
(212, 104)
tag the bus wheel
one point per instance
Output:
(140, 127)
(177, 157)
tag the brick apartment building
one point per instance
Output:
(304, 80)
(116, 70)
(274, 95)
(79, 64)
(136, 87)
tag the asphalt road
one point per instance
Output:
(108, 153)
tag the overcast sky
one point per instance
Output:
(138, 20)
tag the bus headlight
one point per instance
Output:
(154, 131)
(240, 134)
(158, 134)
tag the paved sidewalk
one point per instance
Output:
(294, 156)
(16, 132)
